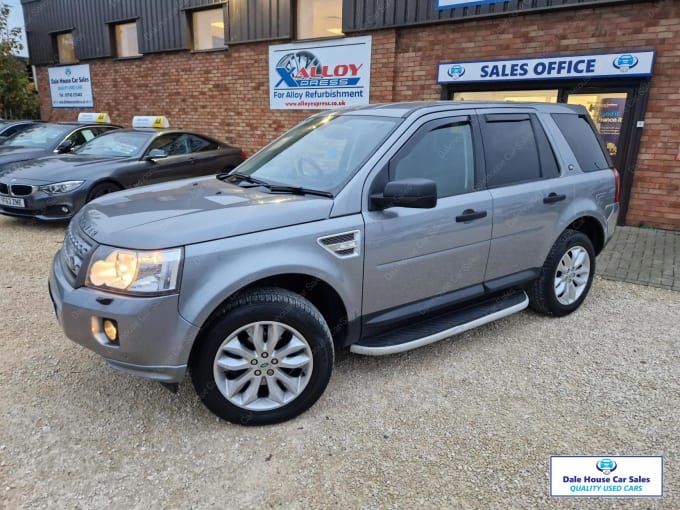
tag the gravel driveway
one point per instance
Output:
(465, 423)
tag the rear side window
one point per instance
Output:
(510, 150)
(583, 141)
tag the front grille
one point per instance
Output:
(4, 189)
(21, 190)
(75, 249)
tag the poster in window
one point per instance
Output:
(610, 120)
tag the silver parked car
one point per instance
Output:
(382, 228)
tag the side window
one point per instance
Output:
(88, 134)
(444, 154)
(510, 150)
(173, 144)
(101, 129)
(583, 141)
(78, 138)
(200, 144)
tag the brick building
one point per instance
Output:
(206, 66)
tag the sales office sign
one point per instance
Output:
(625, 476)
(606, 65)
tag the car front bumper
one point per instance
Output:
(154, 341)
(46, 207)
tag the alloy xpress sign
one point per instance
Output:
(609, 65)
(320, 75)
(71, 86)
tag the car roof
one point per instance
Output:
(158, 131)
(422, 107)
(76, 124)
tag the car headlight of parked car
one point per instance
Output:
(61, 187)
(135, 272)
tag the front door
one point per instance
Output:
(415, 254)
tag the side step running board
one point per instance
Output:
(443, 326)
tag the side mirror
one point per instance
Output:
(415, 193)
(65, 146)
(2, 139)
(155, 154)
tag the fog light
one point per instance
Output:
(64, 209)
(111, 330)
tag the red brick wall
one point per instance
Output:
(207, 91)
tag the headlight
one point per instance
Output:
(135, 272)
(61, 187)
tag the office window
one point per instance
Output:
(126, 40)
(65, 50)
(208, 29)
(319, 18)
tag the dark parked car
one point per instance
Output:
(12, 127)
(56, 187)
(48, 138)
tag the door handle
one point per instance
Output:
(553, 197)
(469, 215)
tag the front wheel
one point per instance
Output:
(101, 189)
(267, 359)
(566, 275)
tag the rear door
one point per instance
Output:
(413, 255)
(528, 194)
(176, 165)
(207, 157)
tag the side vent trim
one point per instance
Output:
(343, 245)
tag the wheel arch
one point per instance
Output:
(105, 180)
(317, 291)
(591, 227)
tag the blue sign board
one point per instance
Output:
(606, 65)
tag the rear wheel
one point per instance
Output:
(103, 188)
(267, 359)
(566, 275)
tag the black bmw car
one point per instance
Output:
(47, 138)
(56, 187)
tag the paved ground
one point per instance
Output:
(642, 255)
(466, 423)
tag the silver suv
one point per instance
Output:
(382, 228)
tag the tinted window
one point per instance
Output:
(444, 154)
(582, 140)
(510, 150)
(173, 144)
(200, 144)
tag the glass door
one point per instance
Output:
(532, 96)
(608, 111)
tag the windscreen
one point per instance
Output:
(116, 144)
(41, 136)
(321, 153)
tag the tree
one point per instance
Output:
(17, 94)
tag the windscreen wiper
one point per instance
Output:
(299, 190)
(274, 188)
(241, 177)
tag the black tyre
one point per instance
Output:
(266, 359)
(101, 189)
(566, 275)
